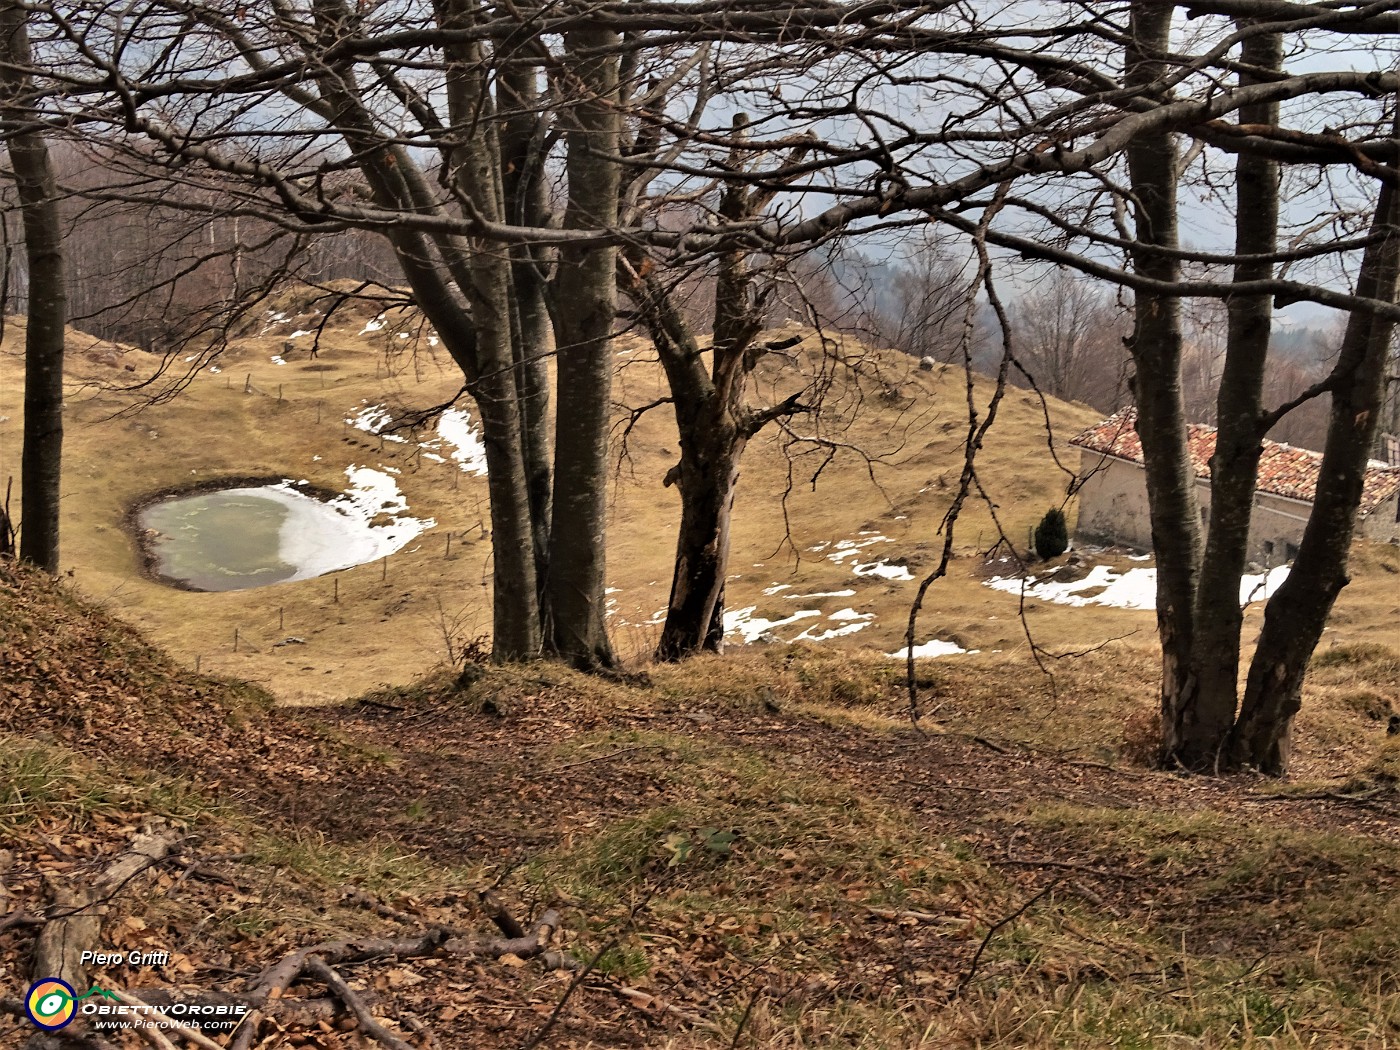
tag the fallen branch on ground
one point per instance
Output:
(342, 991)
(74, 919)
(309, 961)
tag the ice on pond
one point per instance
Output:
(252, 536)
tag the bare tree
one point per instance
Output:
(930, 292)
(42, 455)
(1071, 337)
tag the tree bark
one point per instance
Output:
(522, 182)
(41, 457)
(713, 424)
(462, 288)
(586, 305)
(476, 170)
(1296, 614)
(1161, 415)
(711, 446)
(1206, 713)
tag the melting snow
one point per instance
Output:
(373, 325)
(848, 593)
(884, 569)
(454, 427)
(1134, 589)
(932, 648)
(322, 537)
(840, 623)
(455, 436)
(844, 549)
(277, 360)
(299, 333)
(372, 420)
(743, 622)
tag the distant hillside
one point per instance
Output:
(880, 459)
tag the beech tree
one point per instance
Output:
(426, 142)
(441, 135)
(1198, 615)
(41, 458)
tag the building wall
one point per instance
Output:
(1275, 528)
(1112, 502)
(1113, 509)
(1383, 523)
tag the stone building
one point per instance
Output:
(1113, 493)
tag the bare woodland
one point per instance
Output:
(540, 177)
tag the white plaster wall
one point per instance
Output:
(1113, 502)
(1113, 509)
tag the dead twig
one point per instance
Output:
(1046, 862)
(894, 915)
(496, 912)
(992, 932)
(371, 903)
(194, 1035)
(578, 978)
(342, 991)
(73, 922)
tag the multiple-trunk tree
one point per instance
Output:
(1199, 615)
(512, 157)
(481, 163)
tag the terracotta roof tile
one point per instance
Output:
(1283, 469)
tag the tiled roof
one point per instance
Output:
(1283, 469)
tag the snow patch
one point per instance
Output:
(932, 648)
(751, 628)
(1133, 589)
(884, 570)
(373, 325)
(468, 450)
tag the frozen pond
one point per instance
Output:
(236, 538)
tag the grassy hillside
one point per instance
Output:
(750, 852)
(897, 434)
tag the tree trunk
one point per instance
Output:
(1296, 614)
(522, 182)
(586, 306)
(708, 478)
(1215, 658)
(41, 458)
(1161, 412)
(485, 279)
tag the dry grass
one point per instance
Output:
(1182, 912)
(735, 860)
(387, 627)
